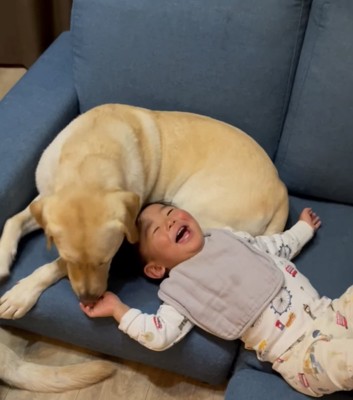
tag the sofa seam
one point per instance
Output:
(286, 142)
(292, 73)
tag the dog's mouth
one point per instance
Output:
(182, 233)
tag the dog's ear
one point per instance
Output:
(132, 204)
(37, 210)
(126, 206)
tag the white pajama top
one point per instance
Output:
(280, 324)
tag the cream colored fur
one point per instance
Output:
(41, 378)
(97, 173)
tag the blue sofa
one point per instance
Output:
(280, 70)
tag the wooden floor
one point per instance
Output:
(132, 381)
(8, 77)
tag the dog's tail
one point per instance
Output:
(42, 378)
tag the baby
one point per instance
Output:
(234, 286)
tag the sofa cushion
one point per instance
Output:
(57, 315)
(315, 152)
(230, 59)
(248, 383)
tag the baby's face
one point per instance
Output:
(168, 235)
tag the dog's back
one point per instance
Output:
(213, 170)
(219, 174)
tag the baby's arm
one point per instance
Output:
(289, 243)
(155, 331)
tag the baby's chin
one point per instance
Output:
(198, 244)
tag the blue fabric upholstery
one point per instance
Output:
(31, 115)
(58, 316)
(233, 60)
(321, 108)
(230, 59)
(259, 384)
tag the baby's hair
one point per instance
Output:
(144, 206)
(141, 257)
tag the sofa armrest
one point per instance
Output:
(31, 115)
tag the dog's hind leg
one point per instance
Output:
(279, 218)
(15, 228)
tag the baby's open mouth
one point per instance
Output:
(181, 233)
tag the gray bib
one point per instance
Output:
(225, 287)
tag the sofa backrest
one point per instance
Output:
(316, 148)
(230, 59)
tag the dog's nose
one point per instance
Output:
(88, 300)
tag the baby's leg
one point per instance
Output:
(323, 361)
(336, 355)
(329, 359)
(329, 365)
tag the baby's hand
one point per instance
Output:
(310, 218)
(109, 305)
(104, 307)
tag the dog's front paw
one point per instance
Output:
(16, 302)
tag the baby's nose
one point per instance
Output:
(171, 223)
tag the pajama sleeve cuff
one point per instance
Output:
(302, 231)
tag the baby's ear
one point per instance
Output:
(154, 271)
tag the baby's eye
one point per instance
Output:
(169, 211)
(155, 230)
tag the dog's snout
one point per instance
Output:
(88, 299)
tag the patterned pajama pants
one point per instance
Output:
(321, 361)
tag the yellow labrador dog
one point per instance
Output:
(98, 172)
(41, 378)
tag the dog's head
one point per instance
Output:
(87, 229)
